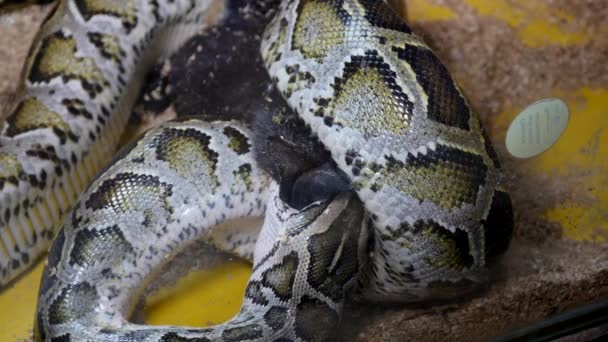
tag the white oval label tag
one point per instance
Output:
(537, 128)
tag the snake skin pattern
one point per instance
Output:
(372, 92)
(394, 120)
(171, 188)
(80, 81)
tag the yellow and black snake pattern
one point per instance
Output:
(425, 215)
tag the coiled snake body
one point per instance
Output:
(427, 216)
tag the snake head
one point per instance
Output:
(332, 234)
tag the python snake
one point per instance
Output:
(373, 94)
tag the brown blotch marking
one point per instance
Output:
(32, 114)
(125, 10)
(247, 332)
(108, 45)
(280, 277)
(368, 98)
(77, 107)
(48, 153)
(448, 177)
(276, 317)
(243, 173)
(273, 54)
(238, 142)
(378, 14)
(188, 153)
(57, 57)
(72, 303)
(320, 26)
(128, 191)
(343, 238)
(445, 103)
(11, 171)
(440, 247)
(315, 320)
(297, 79)
(89, 242)
(254, 293)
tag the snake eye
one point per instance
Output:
(319, 184)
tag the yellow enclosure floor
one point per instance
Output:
(213, 296)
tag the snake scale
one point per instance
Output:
(407, 205)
